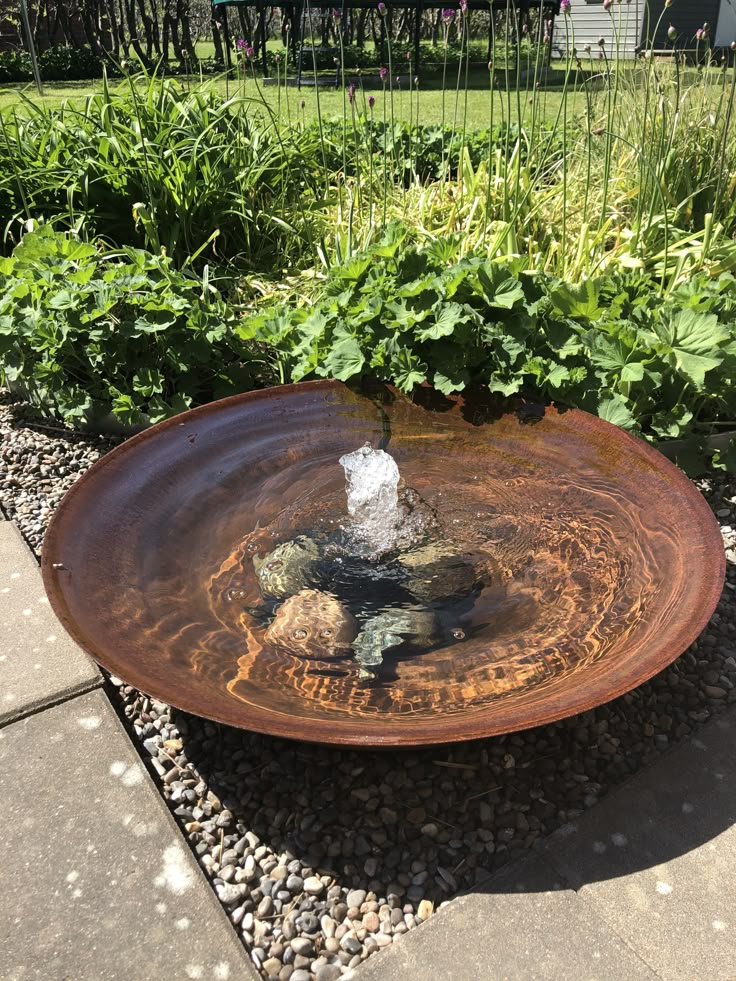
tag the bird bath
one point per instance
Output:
(542, 562)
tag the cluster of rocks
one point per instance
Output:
(322, 856)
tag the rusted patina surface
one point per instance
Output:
(602, 564)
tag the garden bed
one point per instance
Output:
(323, 856)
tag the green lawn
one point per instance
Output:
(287, 101)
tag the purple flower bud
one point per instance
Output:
(699, 34)
(667, 3)
(398, 79)
(671, 33)
(249, 52)
(587, 48)
(565, 6)
(351, 92)
(240, 43)
(546, 39)
(383, 74)
(464, 6)
(382, 9)
(448, 14)
(606, 4)
(601, 42)
(336, 15)
(371, 101)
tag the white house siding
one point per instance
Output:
(726, 29)
(588, 21)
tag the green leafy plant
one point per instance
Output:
(610, 345)
(83, 334)
(206, 178)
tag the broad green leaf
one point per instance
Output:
(63, 300)
(693, 339)
(632, 372)
(403, 316)
(616, 411)
(408, 370)
(148, 382)
(505, 386)
(577, 300)
(557, 374)
(391, 240)
(606, 352)
(444, 324)
(448, 382)
(695, 367)
(345, 359)
(498, 288)
(353, 269)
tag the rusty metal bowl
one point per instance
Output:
(608, 561)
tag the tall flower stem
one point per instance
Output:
(491, 135)
(446, 33)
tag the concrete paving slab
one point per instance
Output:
(528, 928)
(39, 663)
(98, 884)
(657, 859)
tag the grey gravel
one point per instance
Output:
(322, 856)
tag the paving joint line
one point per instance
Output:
(53, 702)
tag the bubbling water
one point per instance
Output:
(382, 519)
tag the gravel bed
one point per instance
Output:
(323, 856)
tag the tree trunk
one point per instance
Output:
(114, 29)
(155, 32)
(91, 33)
(436, 28)
(182, 17)
(130, 12)
(217, 40)
(122, 33)
(360, 31)
(147, 30)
